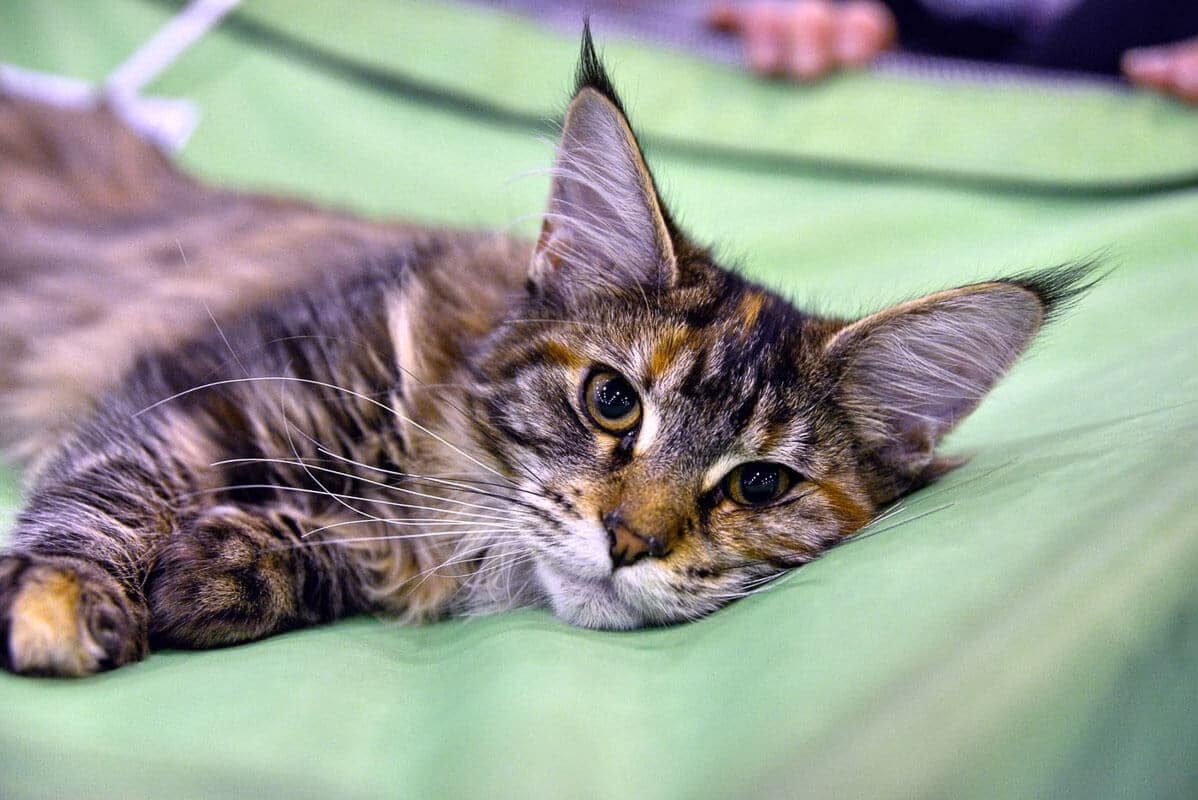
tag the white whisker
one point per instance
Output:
(387, 486)
(334, 387)
(390, 521)
(291, 442)
(373, 500)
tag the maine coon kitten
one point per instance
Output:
(429, 422)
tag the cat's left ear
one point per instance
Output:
(907, 375)
(604, 229)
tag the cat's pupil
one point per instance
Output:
(614, 398)
(760, 483)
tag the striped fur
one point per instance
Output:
(241, 414)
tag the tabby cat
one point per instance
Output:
(429, 422)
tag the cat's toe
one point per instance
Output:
(58, 619)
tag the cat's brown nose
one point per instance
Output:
(628, 546)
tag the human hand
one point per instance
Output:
(1172, 69)
(807, 39)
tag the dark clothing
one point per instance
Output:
(1090, 36)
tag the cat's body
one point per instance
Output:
(168, 285)
(266, 415)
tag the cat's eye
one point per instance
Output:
(611, 401)
(757, 483)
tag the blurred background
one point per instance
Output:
(1150, 44)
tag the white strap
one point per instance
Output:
(170, 42)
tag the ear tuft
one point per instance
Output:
(1059, 288)
(591, 74)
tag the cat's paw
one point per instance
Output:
(228, 580)
(65, 617)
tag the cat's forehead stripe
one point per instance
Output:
(749, 310)
(556, 352)
(666, 351)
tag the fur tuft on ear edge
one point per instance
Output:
(591, 74)
(1059, 288)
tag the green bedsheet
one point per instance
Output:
(1026, 628)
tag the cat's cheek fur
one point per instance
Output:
(586, 551)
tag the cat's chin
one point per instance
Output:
(588, 602)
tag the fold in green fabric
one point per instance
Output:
(1025, 628)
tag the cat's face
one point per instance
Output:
(681, 446)
(679, 436)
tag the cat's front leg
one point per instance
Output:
(234, 574)
(228, 574)
(67, 616)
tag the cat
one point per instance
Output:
(240, 414)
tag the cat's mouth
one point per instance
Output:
(589, 601)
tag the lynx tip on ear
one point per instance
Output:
(591, 73)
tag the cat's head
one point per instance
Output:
(686, 435)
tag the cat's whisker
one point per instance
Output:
(333, 387)
(478, 552)
(317, 461)
(321, 448)
(248, 351)
(471, 556)
(413, 376)
(888, 513)
(506, 562)
(464, 486)
(490, 563)
(952, 486)
(346, 540)
(396, 521)
(287, 428)
(388, 486)
(750, 590)
(500, 577)
(866, 533)
(372, 500)
(415, 522)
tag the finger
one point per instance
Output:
(809, 29)
(864, 29)
(1151, 67)
(1183, 82)
(762, 27)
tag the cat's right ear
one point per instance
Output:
(604, 229)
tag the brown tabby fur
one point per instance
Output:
(242, 414)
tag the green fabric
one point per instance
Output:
(1026, 628)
